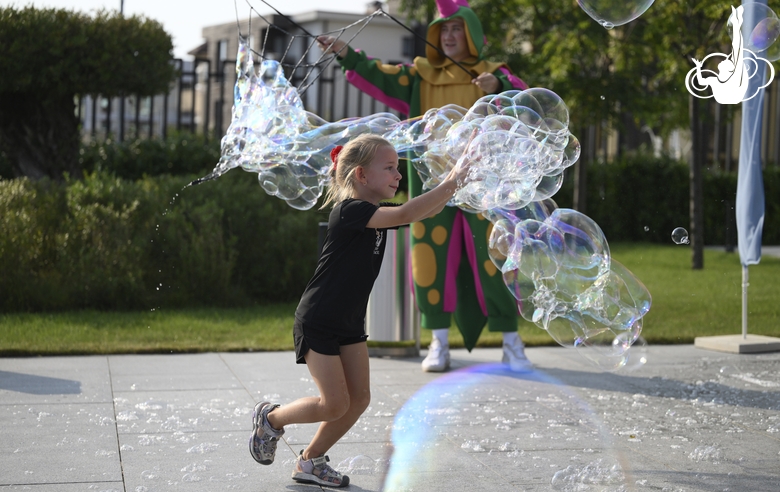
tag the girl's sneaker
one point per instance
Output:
(317, 471)
(263, 447)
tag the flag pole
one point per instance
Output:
(745, 285)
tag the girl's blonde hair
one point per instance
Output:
(358, 152)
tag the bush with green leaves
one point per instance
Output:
(109, 243)
(177, 154)
(52, 55)
(105, 242)
(643, 199)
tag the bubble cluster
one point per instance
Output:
(521, 146)
(609, 13)
(557, 264)
(271, 134)
(521, 141)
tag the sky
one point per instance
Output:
(184, 19)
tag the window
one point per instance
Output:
(407, 47)
(222, 50)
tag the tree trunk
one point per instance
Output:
(39, 135)
(696, 209)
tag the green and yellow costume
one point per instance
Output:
(452, 272)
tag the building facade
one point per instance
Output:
(290, 40)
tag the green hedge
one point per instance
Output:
(642, 199)
(178, 154)
(109, 243)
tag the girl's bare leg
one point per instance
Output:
(354, 360)
(345, 393)
(333, 402)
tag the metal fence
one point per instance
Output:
(201, 100)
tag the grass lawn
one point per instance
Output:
(686, 304)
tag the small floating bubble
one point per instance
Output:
(680, 236)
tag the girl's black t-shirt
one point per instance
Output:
(336, 297)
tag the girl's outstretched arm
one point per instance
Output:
(422, 206)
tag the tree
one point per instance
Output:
(676, 32)
(49, 57)
(636, 70)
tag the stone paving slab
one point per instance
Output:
(55, 380)
(47, 443)
(687, 420)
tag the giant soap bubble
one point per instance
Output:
(271, 134)
(487, 416)
(611, 13)
(760, 30)
(520, 151)
(557, 264)
(518, 142)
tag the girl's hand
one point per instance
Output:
(329, 44)
(460, 172)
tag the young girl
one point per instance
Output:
(329, 330)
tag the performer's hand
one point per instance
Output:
(487, 82)
(329, 44)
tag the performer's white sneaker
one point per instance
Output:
(438, 358)
(514, 355)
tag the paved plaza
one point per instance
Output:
(688, 419)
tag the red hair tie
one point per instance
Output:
(334, 155)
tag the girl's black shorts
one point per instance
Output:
(321, 341)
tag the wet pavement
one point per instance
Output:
(687, 419)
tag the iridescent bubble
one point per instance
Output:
(772, 53)
(680, 236)
(611, 13)
(483, 410)
(760, 26)
(557, 264)
(764, 34)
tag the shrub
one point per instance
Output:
(178, 154)
(109, 243)
(642, 199)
